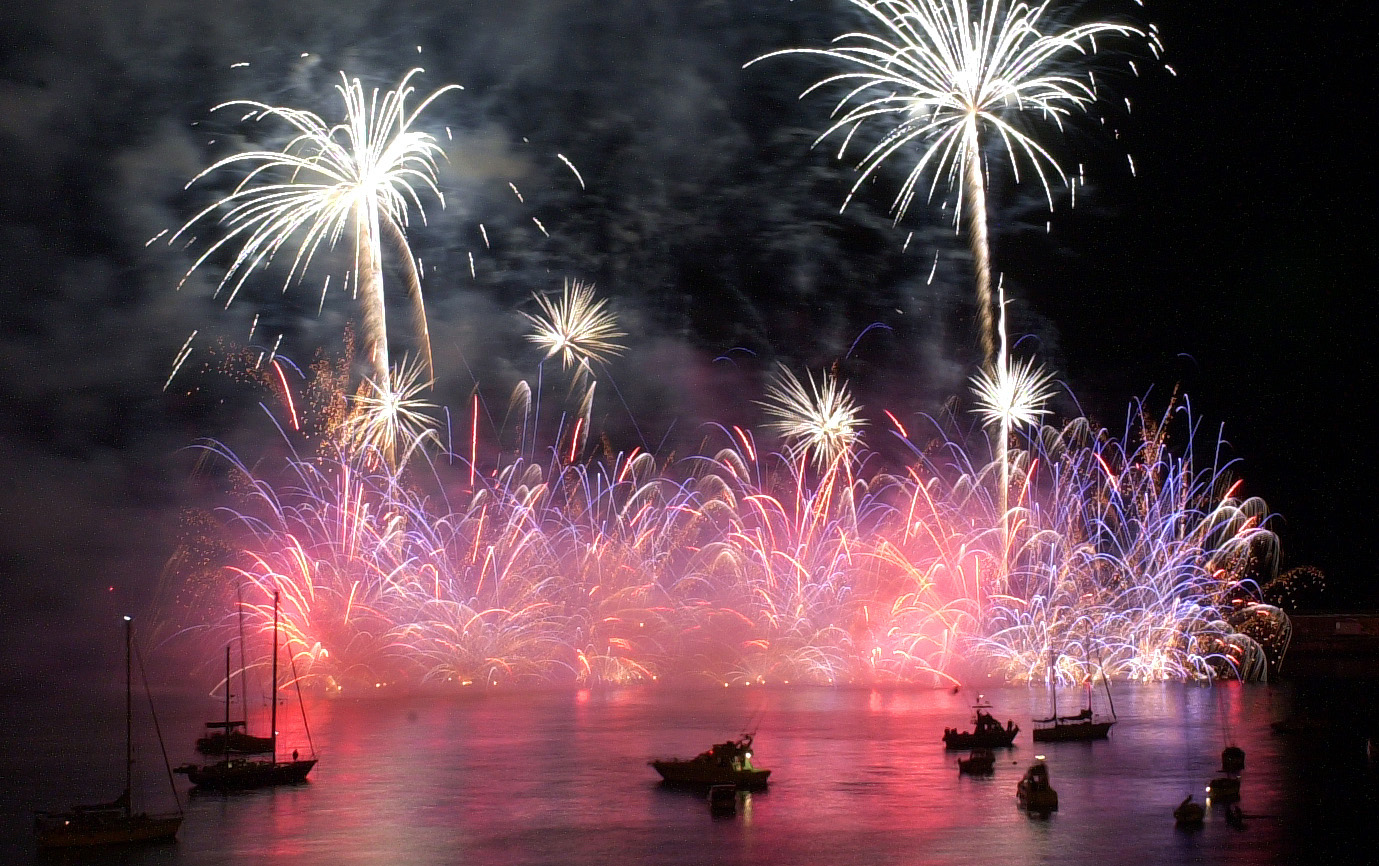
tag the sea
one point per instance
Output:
(859, 776)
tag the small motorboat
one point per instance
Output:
(986, 731)
(1232, 759)
(981, 762)
(1224, 789)
(1034, 793)
(1189, 813)
(727, 763)
(723, 799)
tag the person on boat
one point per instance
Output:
(1010, 724)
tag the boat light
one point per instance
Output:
(1038, 757)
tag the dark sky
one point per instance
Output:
(1235, 263)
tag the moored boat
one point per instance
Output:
(114, 823)
(1033, 792)
(980, 762)
(986, 731)
(728, 763)
(235, 773)
(723, 799)
(1189, 813)
(237, 741)
(1083, 726)
(1224, 789)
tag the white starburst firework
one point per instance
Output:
(575, 326)
(820, 419)
(1013, 395)
(392, 416)
(945, 75)
(363, 174)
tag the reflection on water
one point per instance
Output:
(860, 777)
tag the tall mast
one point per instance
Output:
(243, 681)
(227, 703)
(273, 714)
(128, 714)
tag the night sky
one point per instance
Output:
(1234, 264)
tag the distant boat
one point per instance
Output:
(723, 799)
(1189, 813)
(237, 742)
(1083, 726)
(727, 763)
(231, 736)
(986, 731)
(980, 762)
(232, 773)
(1232, 759)
(1225, 789)
(114, 823)
(1033, 792)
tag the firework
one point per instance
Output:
(1014, 395)
(946, 76)
(392, 415)
(576, 327)
(361, 176)
(820, 420)
(740, 567)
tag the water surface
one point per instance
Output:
(859, 777)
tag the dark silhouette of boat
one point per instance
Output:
(1189, 813)
(979, 763)
(1225, 789)
(986, 731)
(727, 763)
(238, 741)
(723, 799)
(1083, 726)
(114, 823)
(231, 736)
(1033, 792)
(232, 773)
(1232, 759)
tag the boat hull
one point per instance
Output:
(77, 830)
(242, 775)
(1224, 790)
(1072, 732)
(1038, 801)
(997, 739)
(705, 774)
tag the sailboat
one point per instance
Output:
(231, 735)
(234, 773)
(116, 822)
(1082, 726)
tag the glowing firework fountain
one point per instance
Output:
(736, 565)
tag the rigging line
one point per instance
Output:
(143, 675)
(292, 659)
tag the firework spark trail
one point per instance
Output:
(948, 75)
(361, 175)
(741, 567)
